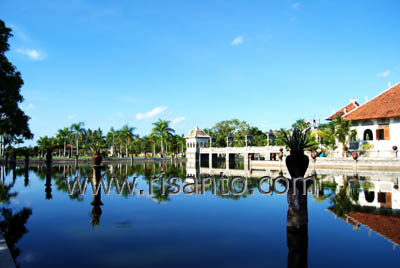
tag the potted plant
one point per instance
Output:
(96, 144)
(96, 156)
(297, 162)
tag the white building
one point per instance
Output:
(377, 121)
(195, 140)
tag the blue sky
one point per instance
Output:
(110, 63)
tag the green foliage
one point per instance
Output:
(95, 141)
(45, 143)
(341, 129)
(353, 135)
(297, 140)
(366, 146)
(13, 121)
(163, 131)
(239, 130)
(300, 124)
(342, 203)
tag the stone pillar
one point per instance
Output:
(246, 161)
(199, 159)
(227, 161)
(210, 158)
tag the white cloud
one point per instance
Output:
(295, 5)
(384, 74)
(177, 121)
(238, 41)
(29, 107)
(72, 116)
(152, 113)
(126, 99)
(31, 53)
(19, 33)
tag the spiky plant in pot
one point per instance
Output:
(297, 142)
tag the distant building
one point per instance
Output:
(377, 121)
(196, 139)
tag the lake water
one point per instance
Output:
(352, 222)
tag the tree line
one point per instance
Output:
(76, 140)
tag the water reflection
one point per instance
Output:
(368, 201)
(12, 224)
(96, 203)
(364, 199)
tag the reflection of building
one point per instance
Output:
(380, 194)
(376, 205)
(376, 121)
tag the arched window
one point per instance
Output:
(369, 196)
(368, 136)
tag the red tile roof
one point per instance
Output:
(385, 105)
(386, 225)
(342, 112)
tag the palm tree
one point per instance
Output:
(63, 135)
(342, 131)
(45, 144)
(181, 142)
(163, 131)
(120, 138)
(152, 140)
(77, 132)
(111, 136)
(127, 134)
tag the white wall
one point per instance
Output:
(382, 145)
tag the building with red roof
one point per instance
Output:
(377, 121)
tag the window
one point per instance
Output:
(367, 123)
(368, 136)
(383, 132)
(380, 134)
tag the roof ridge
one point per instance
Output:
(371, 99)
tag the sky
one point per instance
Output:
(110, 63)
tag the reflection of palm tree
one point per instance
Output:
(13, 227)
(341, 203)
(158, 194)
(5, 194)
(321, 194)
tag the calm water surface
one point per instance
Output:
(353, 222)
